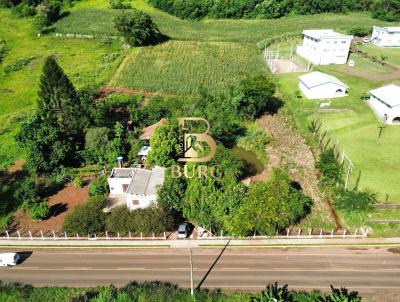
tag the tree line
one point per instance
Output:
(197, 9)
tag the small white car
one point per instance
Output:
(8, 259)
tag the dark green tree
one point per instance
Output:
(137, 27)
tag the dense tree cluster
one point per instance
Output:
(198, 9)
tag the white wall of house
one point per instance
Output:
(386, 36)
(325, 47)
(134, 201)
(117, 185)
(380, 109)
(324, 91)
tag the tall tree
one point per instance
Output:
(58, 102)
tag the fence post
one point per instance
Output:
(141, 235)
(309, 232)
(320, 233)
(344, 233)
(153, 235)
(41, 233)
(65, 235)
(298, 235)
(130, 237)
(106, 235)
(355, 233)
(30, 234)
(366, 233)
(254, 234)
(287, 233)
(54, 235)
(8, 235)
(19, 235)
(118, 235)
(77, 236)
(332, 233)
(165, 237)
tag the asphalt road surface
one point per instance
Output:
(374, 271)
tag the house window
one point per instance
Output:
(135, 202)
(125, 188)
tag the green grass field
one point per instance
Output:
(85, 62)
(393, 54)
(182, 67)
(98, 20)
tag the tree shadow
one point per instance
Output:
(212, 266)
(58, 209)
(274, 105)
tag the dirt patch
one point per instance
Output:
(61, 204)
(394, 73)
(105, 91)
(394, 250)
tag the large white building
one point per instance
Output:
(135, 186)
(324, 47)
(385, 102)
(318, 85)
(386, 36)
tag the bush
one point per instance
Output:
(39, 211)
(23, 10)
(360, 31)
(329, 167)
(118, 4)
(87, 219)
(137, 28)
(78, 182)
(17, 65)
(153, 219)
(98, 187)
(349, 201)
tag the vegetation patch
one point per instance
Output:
(187, 68)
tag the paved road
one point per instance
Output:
(371, 270)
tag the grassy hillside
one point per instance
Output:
(93, 17)
(181, 67)
(85, 62)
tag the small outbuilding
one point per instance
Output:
(386, 36)
(318, 85)
(385, 102)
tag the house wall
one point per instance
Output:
(383, 38)
(325, 51)
(381, 109)
(116, 185)
(143, 200)
(325, 91)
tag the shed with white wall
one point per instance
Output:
(318, 85)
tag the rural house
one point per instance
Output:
(136, 187)
(324, 47)
(318, 85)
(386, 36)
(385, 102)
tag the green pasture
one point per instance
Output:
(392, 54)
(356, 132)
(87, 62)
(183, 67)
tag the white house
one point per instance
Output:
(136, 186)
(385, 102)
(386, 36)
(318, 85)
(324, 47)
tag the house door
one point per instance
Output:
(125, 188)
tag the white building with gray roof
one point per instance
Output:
(137, 187)
(386, 36)
(318, 85)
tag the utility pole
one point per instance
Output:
(382, 127)
(191, 272)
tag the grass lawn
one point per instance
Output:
(357, 132)
(182, 67)
(84, 61)
(393, 54)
